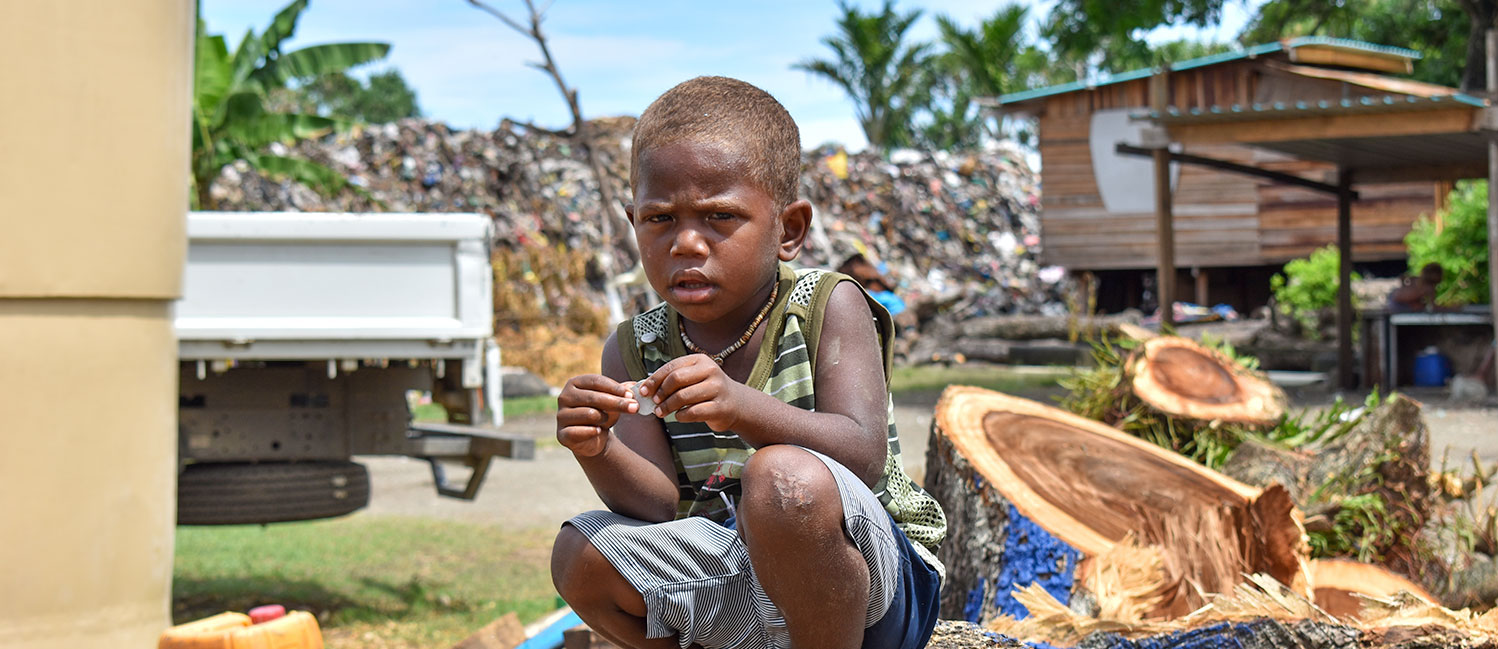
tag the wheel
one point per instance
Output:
(232, 493)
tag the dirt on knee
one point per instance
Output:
(786, 480)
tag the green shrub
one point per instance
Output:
(1457, 239)
(1307, 287)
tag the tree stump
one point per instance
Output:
(1181, 378)
(1034, 494)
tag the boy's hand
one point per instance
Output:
(696, 389)
(587, 408)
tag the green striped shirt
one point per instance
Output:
(709, 464)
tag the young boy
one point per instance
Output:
(755, 491)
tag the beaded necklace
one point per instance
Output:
(748, 333)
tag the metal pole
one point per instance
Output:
(1344, 279)
(1493, 189)
(1165, 271)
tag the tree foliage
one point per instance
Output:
(881, 72)
(1457, 239)
(230, 118)
(987, 61)
(930, 94)
(385, 97)
(1308, 287)
(1081, 29)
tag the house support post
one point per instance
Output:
(1165, 271)
(1345, 378)
(1493, 189)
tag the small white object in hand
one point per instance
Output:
(647, 407)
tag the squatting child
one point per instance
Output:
(740, 433)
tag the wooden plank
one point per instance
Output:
(1360, 252)
(582, 637)
(1345, 58)
(503, 633)
(1121, 225)
(1111, 258)
(1422, 122)
(1450, 172)
(1183, 238)
(1311, 236)
(1050, 200)
(1187, 211)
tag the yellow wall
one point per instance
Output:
(93, 192)
(94, 128)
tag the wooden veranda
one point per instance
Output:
(1370, 142)
(1311, 100)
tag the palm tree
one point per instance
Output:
(230, 119)
(880, 73)
(987, 61)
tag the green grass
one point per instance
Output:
(520, 406)
(371, 581)
(514, 407)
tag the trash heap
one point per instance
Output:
(537, 186)
(959, 229)
(959, 232)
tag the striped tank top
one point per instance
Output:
(709, 464)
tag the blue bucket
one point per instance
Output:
(1431, 369)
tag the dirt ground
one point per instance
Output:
(544, 491)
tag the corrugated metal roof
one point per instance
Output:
(1388, 103)
(1214, 59)
(1349, 44)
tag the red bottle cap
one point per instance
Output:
(263, 614)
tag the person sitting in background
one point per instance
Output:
(1417, 293)
(868, 276)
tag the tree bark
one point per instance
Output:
(1386, 453)
(1249, 634)
(1481, 15)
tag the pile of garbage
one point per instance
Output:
(959, 231)
(952, 233)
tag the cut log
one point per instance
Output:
(1262, 463)
(1184, 379)
(1339, 582)
(1386, 453)
(1034, 493)
(1035, 327)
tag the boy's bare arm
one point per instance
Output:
(850, 422)
(625, 456)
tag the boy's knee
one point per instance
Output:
(574, 562)
(784, 481)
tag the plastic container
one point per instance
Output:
(295, 630)
(1431, 368)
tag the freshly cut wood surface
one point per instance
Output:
(1338, 582)
(1092, 487)
(1179, 377)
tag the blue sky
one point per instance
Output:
(469, 69)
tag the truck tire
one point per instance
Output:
(234, 493)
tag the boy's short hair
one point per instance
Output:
(733, 115)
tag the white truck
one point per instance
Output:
(302, 337)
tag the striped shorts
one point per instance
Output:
(697, 583)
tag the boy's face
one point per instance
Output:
(710, 237)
